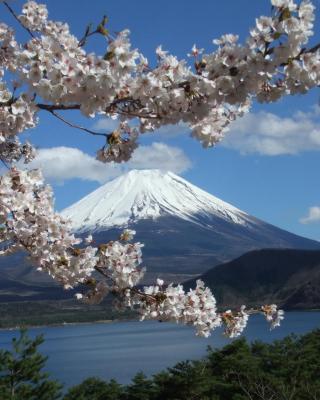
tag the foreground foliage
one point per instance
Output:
(283, 370)
(286, 369)
(21, 375)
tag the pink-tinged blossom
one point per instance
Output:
(273, 315)
(235, 322)
(196, 307)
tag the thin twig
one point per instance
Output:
(53, 107)
(16, 17)
(134, 290)
(119, 101)
(314, 48)
(77, 126)
(83, 41)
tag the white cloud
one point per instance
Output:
(160, 155)
(105, 124)
(268, 134)
(62, 163)
(313, 216)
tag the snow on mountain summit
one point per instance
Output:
(148, 194)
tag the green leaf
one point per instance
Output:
(276, 35)
(108, 56)
(101, 29)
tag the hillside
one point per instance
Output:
(289, 278)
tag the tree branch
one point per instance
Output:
(83, 40)
(62, 107)
(17, 19)
(314, 48)
(106, 135)
(53, 107)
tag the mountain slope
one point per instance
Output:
(149, 194)
(185, 229)
(289, 278)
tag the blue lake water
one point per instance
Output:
(119, 350)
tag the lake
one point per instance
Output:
(120, 349)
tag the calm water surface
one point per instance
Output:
(119, 350)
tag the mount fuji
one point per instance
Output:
(149, 194)
(186, 230)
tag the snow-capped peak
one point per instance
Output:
(147, 194)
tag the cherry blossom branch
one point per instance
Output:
(72, 125)
(87, 34)
(57, 107)
(101, 29)
(110, 108)
(17, 19)
(314, 49)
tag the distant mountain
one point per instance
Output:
(150, 194)
(19, 281)
(186, 230)
(289, 278)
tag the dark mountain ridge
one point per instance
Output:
(289, 278)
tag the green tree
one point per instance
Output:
(21, 375)
(188, 380)
(96, 389)
(141, 388)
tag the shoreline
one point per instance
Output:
(48, 313)
(104, 321)
(61, 324)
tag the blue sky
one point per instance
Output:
(261, 178)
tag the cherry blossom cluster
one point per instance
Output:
(29, 223)
(197, 307)
(16, 113)
(55, 67)
(8, 49)
(273, 315)
(14, 119)
(235, 322)
(120, 144)
(120, 262)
